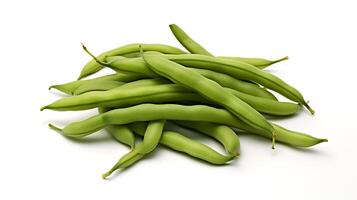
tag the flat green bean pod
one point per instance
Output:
(181, 143)
(236, 84)
(137, 65)
(92, 66)
(70, 87)
(186, 41)
(159, 91)
(243, 71)
(195, 48)
(151, 140)
(150, 112)
(260, 63)
(121, 133)
(224, 134)
(101, 85)
(125, 97)
(209, 89)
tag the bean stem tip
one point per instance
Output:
(54, 127)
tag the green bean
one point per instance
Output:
(241, 71)
(137, 65)
(151, 140)
(121, 133)
(186, 41)
(101, 85)
(195, 48)
(267, 106)
(145, 82)
(125, 97)
(209, 89)
(224, 134)
(230, 82)
(260, 63)
(70, 87)
(295, 139)
(92, 66)
(158, 91)
(180, 143)
(150, 112)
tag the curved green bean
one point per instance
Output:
(236, 84)
(138, 65)
(181, 143)
(151, 140)
(260, 63)
(158, 91)
(92, 66)
(224, 134)
(121, 133)
(150, 112)
(186, 41)
(70, 87)
(243, 71)
(209, 89)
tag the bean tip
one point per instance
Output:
(54, 127)
(105, 175)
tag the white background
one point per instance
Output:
(40, 46)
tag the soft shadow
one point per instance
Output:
(58, 93)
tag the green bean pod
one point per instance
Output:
(243, 71)
(207, 88)
(186, 41)
(121, 133)
(92, 66)
(181, 143)
(195, 48)
(158, 91)
(101, 85)
(224, 134)
(137, 65)
(70, 87)
(151, 140)
(236, 84)
(125, 97)
(150, 112)
(260, 63)
(294, 138)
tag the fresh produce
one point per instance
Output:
(157, 84)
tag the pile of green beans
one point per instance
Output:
(157, 91)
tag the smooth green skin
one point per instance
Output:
(101, 85)
(92, 66)
(138, 65)
(186, 41)
(125, 97)
(121, 133)
(243, 71)
(145, 82)
(230, 82)
(180, 143)
(195, 48)
(150, 112)
(158, 91)
(208, 89)
(151, 140)
(224, 134)
(260, 63)
(70, 87)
